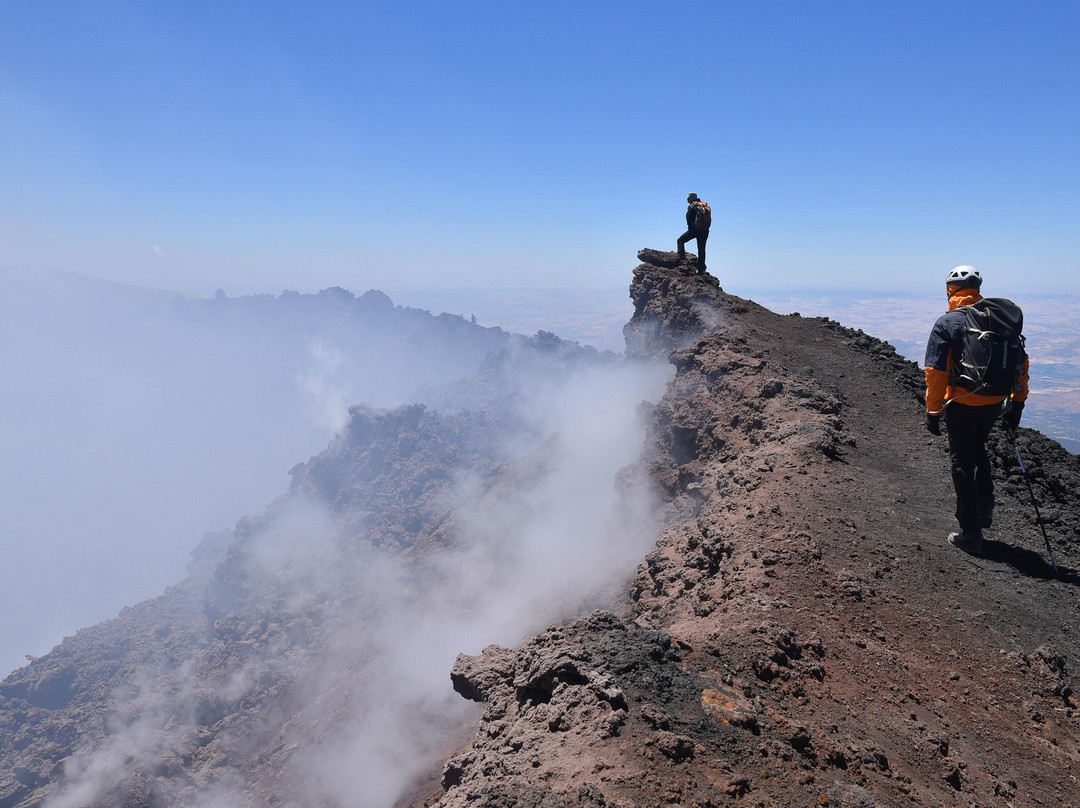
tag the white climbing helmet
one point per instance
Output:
(964, 275)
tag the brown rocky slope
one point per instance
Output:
(802, 634)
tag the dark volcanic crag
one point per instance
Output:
(802, 634)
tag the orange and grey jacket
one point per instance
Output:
(945, 344)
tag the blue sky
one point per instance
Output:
(262, 146)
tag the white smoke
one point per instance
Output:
(327, 404)
(550, 542)
(547, 539)
(136, 421)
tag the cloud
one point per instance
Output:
(158, 251)
(366, 704)
(336, 662)
(549, 538)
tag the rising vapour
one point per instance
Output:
(359, 644)
(550, 544)
(374, 706)
(137, 420)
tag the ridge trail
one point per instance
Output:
(826, 646)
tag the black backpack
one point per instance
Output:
(993, 347)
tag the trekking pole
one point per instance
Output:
(1038, 516)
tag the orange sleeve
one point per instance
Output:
(936, 382)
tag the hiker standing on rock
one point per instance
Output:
(698, 222)
(975, 362)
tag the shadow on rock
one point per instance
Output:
(1027, 562)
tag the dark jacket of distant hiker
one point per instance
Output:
(701, 234)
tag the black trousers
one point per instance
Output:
(972, 475)
(702, 236)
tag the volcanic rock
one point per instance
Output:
(800, 634)
(810, 637)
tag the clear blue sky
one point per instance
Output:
(259, 146)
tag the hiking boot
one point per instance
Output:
(968, 541)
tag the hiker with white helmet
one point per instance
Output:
(975, 363)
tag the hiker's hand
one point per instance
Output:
(933, 423)
(1011, 416)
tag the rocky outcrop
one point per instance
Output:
(575, 694)
(673, 305)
